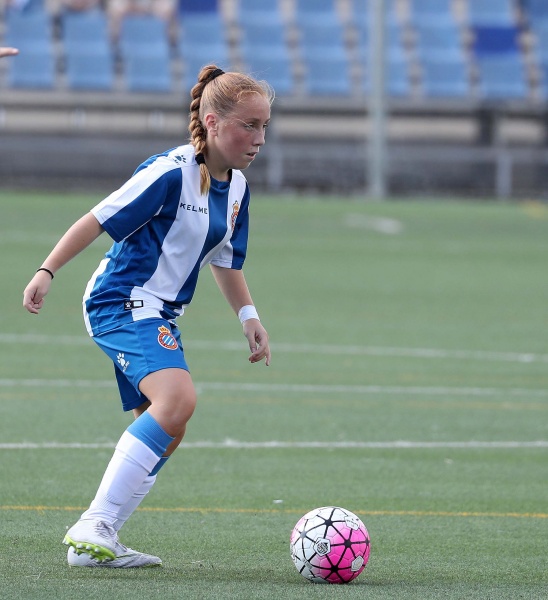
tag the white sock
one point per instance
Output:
(126, 472)
(129, 507)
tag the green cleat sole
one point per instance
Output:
(100, 553)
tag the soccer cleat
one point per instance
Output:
(126, 558)
(93, 537)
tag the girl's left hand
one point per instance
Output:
(258, 341)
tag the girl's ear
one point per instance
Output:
(210, 123)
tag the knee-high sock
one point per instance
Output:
(138, 451)
(133, 503)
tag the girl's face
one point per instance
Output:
(234, 141)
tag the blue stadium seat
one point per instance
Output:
(144, 35)
(491, 12)
(88, 54)
(32, 70)
(537, 10)
(438, 38)
(430, 11)
(202, 28)
(85, 29)
(445, 77)
(147, 74)
(397, 81)
(203, 38)
(263, 35)
(315, 11)
(360, 10)
(29, 31)
(145, 53)
(543, 83)
(502, 78)
(276, 69)
(94, 71)
(495, 40)
(393, 39)
(251, 12)
(203, 6)
(318, 38)
(194, 62)
(327, 76)
(540, 31)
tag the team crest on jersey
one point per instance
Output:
(235, 211)
(166, 339)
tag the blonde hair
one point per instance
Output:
(218, 92)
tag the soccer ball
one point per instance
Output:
(330, 545)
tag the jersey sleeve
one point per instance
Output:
(138, 200)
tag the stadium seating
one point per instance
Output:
(536, 10)
(143, 35)
(203, 55)
(499, 61)
(31, 32)
(431, 44)
(84, 28)
(251, 12)
(199, 28)
(265, 53)
(202, 41)
(430, 11)
(148, 74)
(540, 31)
(393, 39)
(32, 70)
(265, 36)
(322, 38)
(327, 75)
(187, 7)
(94, 71)
(441, 38)
(145, 54)
(315, 11)
(543, 83)
(276, 69)
(491, 12)
(397, 82)
(445, 77)
(502, 78)
(88, 53)
(360, 10)
(495, 40)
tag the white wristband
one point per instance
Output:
(248, 312)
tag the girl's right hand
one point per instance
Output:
(33, 296)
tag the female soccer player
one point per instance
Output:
(181, 210)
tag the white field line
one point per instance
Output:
(428, 353)
(296, 388)
(238, 445)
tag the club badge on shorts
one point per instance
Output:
(166, 339)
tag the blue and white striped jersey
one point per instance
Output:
(164, 232)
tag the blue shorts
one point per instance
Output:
(138, 349)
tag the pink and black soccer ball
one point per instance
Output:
(330, 545)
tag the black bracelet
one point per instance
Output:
(46, 270)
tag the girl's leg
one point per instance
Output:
(156, 433)
(133, 503)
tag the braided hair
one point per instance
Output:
(218, 92)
